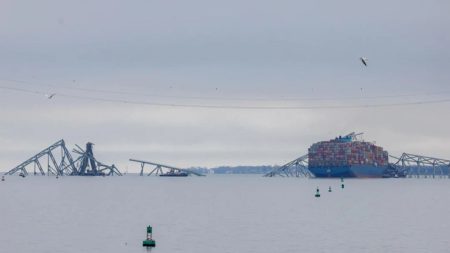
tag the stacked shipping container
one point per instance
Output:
(342, 152)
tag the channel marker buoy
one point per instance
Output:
(329, 189)
(149, 242)
(317, 193)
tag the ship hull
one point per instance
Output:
(358, 171)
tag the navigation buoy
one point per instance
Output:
(342, 181)
(149, 242)
(317, 193)
(3, 178)
(329, 189)
(57, 176)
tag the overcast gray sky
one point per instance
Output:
(222, 53)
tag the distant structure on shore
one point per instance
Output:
(242, 169)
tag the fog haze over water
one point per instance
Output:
(221, 53)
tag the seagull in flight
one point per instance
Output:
(51, 95)
(363, 60)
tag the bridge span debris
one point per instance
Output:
(57, 160)
(164, 170)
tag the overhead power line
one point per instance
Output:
(208, 106)
(216, 98)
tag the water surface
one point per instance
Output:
(223, 213)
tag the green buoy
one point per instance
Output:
(149, 242)
(329, 189)
(317, 193)
(342, 181)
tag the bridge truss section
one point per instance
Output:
(295, 168)
(422, 166)
(57, 160)
(161, 169)
(88, 165)
(53, 160)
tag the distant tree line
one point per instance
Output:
(235, 169)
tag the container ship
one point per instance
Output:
(347, 157)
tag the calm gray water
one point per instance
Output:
(216, 214)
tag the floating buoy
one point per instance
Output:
(317, 193)
(3, 178)
(329, 189)
(149, 242)
(342, 181)
(57, 176)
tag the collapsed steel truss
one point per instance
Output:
(407, 165)
(59, 161)
(416, 165)
(160, 169)
(295, 168)
(89, 166)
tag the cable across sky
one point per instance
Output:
(216, 98)
(210, 106)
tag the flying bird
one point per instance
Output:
(51, 95)
(363, 60)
